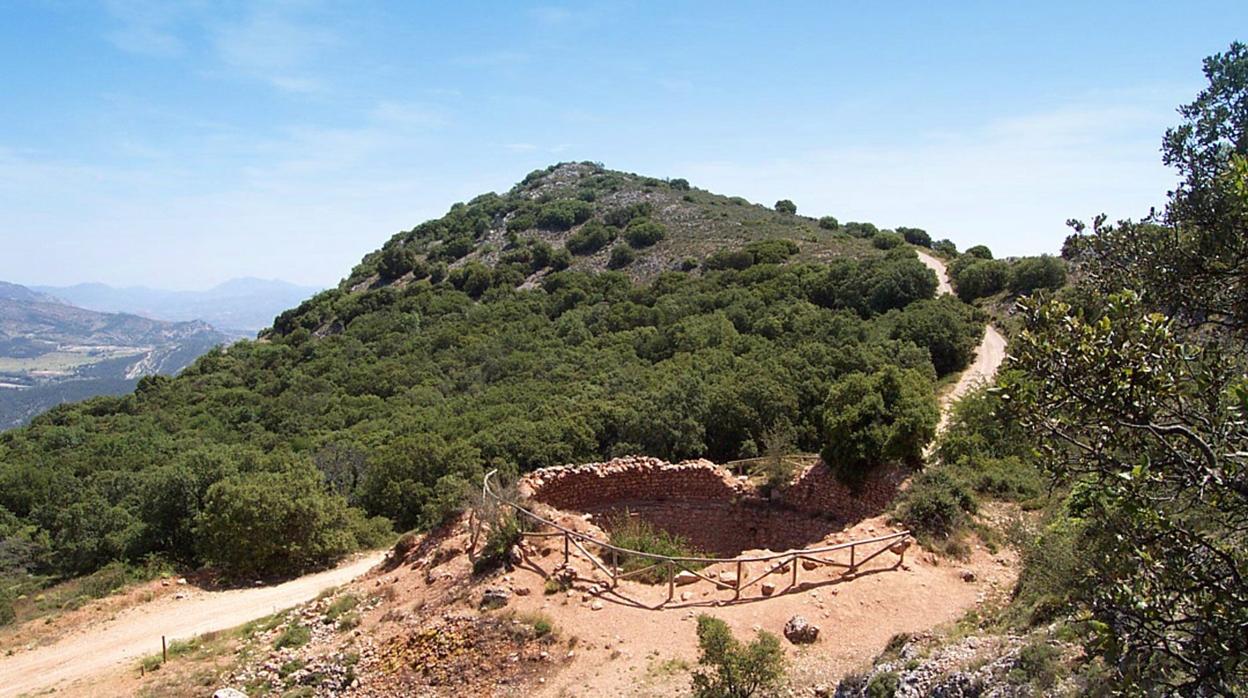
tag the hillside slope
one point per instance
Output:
(52, 352)
(446, 353)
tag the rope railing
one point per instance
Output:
(791, 558)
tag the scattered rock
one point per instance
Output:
(596, 606)
(822, 691)
(768, 588)
(809, 564)
(968, 576)
(685, 596)
(900, 546)
(684, 577)
(495, 598)
(799, 631)
(182, 581)
(229, 693)
(520, 591)
(728, 579)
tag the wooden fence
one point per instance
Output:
(609, 556)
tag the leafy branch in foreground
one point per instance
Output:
(1149, 432)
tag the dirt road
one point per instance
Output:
(942, 275)
(988, 355)
(136, 632)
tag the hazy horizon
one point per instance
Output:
(178, 145)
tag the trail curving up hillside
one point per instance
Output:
(136, 632)
(988, 355)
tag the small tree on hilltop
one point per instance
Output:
(786, 206)
(734, 670)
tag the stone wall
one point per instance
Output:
(635, 478)
(817, 490)
(703, 503)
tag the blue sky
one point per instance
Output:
(180, 144)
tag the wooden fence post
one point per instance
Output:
(164, 650)
(565, 548)
(737, 594)
(671, 580)
(794, 583)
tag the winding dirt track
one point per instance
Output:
(135, 633)
(988, 355)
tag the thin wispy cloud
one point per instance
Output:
(1008, 172)
(148, 27)
(274, 46)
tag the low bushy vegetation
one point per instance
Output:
(634, 533)
(982, 454)
(730, 669)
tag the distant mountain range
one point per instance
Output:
(241, 307)
(53, 352)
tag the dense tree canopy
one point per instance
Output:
(386, 401)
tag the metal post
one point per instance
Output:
(737, 593)
(565, 548)
(794, 583)
(164, 650)
(615, 569)
(852, 549)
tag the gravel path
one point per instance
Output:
(136, 632)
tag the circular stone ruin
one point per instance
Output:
(716, 513)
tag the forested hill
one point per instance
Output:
(494, 337)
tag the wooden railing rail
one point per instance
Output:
(790, 559)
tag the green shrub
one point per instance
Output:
(1030, 274)
(279, 523)
(644, 233)
(295, 635)
(635, 533)
(341, 605)
(349, 621)
(729, 259)
(883, 685)
(621, 256)
(772, 251)
(590, 238)
(936, 505)
(504, 534)
(7, 614)
(1037, 664)
(396, 261)
(829, 223)
(915, 236)
(979, 251)
(885, 417)
(622, 216)
(522, 221)
(679, 184)
(887, 240)
(730, 669)
(786, 206)
(861, 230)
(945, 247)
(980, 278)
(564, 213)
